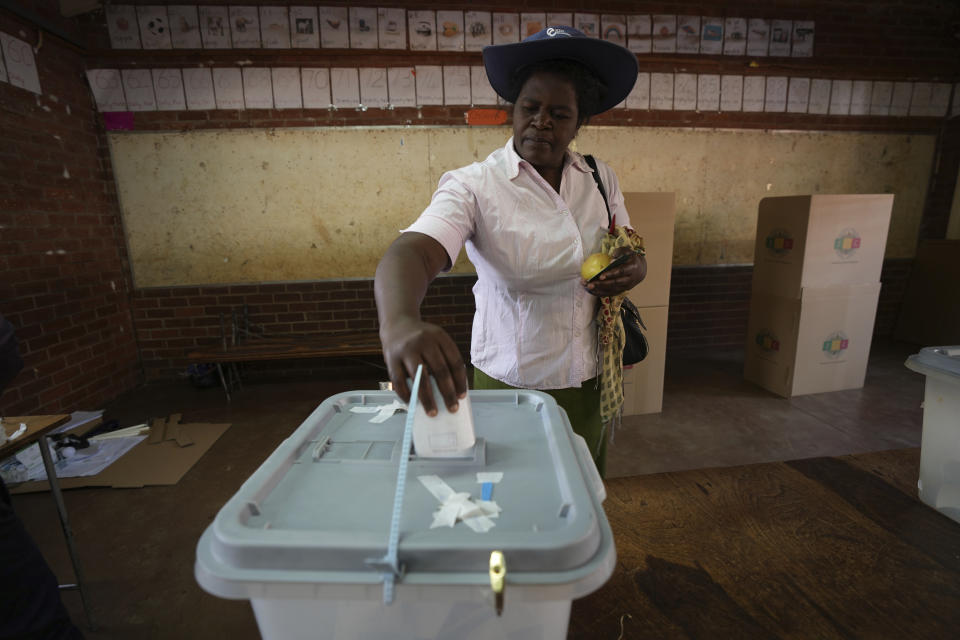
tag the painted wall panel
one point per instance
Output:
(302, 204)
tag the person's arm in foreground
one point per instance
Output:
(403, 275)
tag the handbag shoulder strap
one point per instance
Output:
(592, 162)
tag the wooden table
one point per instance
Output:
(38, 430)
(818, 548)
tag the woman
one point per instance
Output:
(528, 215)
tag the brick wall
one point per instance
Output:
(174, 320)
(708, 308)
(65, 282)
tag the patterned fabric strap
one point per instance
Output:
(610, 335)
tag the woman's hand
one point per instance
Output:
(621, 278)
(409, 342)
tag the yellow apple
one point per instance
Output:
(593, 265)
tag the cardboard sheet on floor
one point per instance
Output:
(161, 459)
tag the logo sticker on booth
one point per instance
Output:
(779, 242)
(847, 243)
(767, 341)
(835, 345)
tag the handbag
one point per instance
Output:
(635, 345)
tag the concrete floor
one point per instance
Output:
(137, 546)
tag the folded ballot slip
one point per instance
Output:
(445, 435)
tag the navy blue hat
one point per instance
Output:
(614, 65)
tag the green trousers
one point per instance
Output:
(582, 406)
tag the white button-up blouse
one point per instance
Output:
(535, 324)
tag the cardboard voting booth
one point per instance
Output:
(652, 215)
(815, 291)
(819, 241)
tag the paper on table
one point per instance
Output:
(316, 88)
(198, 87)
(304, 27)
(107, 89)
(21, 66)
(286, 88)
(85, 462)
(228, 87)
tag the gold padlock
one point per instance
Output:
(498, 575)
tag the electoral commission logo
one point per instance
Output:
(847, 243)
(767, 341)
(835, 344)
(779, 242)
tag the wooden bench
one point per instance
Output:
(259, 349)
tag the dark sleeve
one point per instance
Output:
(10, 362)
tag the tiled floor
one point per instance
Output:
(138, 545)
(713, 418)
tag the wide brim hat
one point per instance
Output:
(614, 65)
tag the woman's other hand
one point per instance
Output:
(619, 279)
